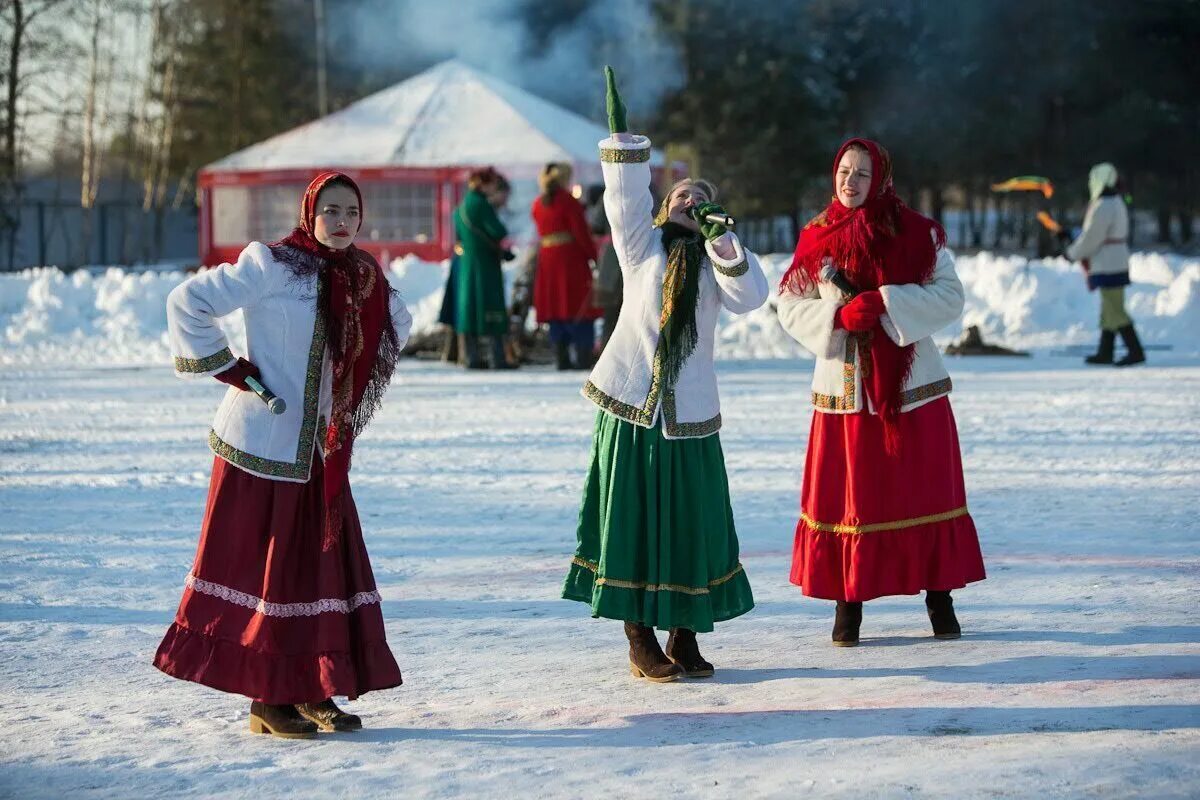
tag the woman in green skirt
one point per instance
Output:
(657, 545)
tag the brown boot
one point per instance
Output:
(282, 721)
(941, 615)
(683, 650)
(846, 622)
(646, 658)
(329, 717)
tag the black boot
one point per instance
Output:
(329, 717)
(282, 721)
(683, 650)
(646, 658)
(941, 615)
(1104, 353)
(583, 359)
(846, 623)
(562, 356)
(1135, 355)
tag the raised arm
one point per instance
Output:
(625, 162)
(916, 310)
(197, 343)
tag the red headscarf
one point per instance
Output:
(880, 242)
(354, 303)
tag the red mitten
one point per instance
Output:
(237, 374)
(861, 313)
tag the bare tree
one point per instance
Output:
(19, 18)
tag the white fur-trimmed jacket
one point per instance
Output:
(285, 339)
(914, 313)
(626, 379)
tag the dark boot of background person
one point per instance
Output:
(646, 658)
(499, 357)
(583, 359)
(1104, 353)
(468, 351)
(683, 650)
(846, 622)
(1135, 355)
(329, 717)
(282, 721)
(583, 342)
(941, 615)
(562, 356)
(450, 346)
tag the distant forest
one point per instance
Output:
(758, 94)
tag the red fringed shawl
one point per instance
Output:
(354, 300)
(880, 242)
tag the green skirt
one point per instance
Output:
(657, 543)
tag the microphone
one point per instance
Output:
(833, 275)
(716, 219)
(274, 403)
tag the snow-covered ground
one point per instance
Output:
(1078, 674)
(118, 316)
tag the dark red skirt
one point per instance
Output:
(874, 524)
(266, 612)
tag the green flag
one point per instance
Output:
(616, 109)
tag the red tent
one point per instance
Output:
(410, 148)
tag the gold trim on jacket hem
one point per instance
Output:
(846, 402)
(876, 527)
(299, 468)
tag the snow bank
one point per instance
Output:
(117, 317)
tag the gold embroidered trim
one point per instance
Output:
(875, 527)
(832, 402)
(736, 271)
(206, 364)
(625, 156)
(654, 587)
(927, 391)
(298, 469)
(557, 239)
(687, 430)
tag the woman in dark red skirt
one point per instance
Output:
(883, 505)
(280, 604)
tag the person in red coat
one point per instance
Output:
(562, 290)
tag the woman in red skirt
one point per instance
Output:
(562, 289)
(883, 509)
(280, 604)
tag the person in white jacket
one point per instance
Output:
(280, 604)
(1102, 247)
(883, 503)
(657, 545)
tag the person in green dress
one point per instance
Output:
(479, 293)
(657, 546)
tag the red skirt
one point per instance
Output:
(266, 612)
(562, 287)
(873, 524)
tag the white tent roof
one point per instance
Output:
(449, 115)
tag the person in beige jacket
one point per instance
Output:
(1103, 249)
